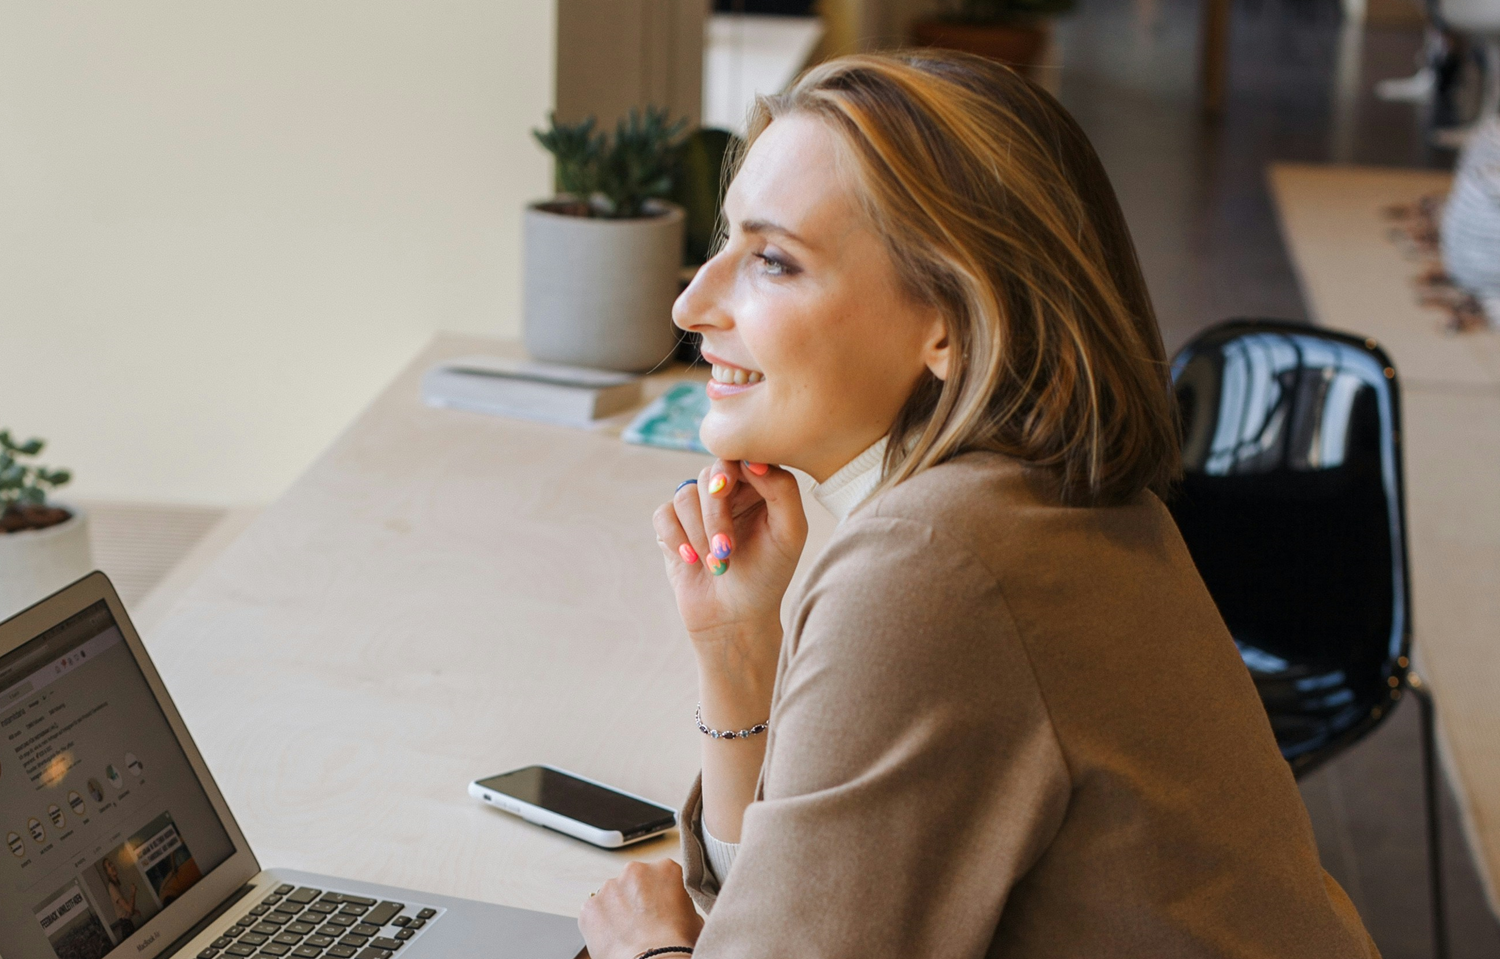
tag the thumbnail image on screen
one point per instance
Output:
(71, 925)
(142, 876)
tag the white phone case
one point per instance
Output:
(606, 838)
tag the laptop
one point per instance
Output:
(118, 844)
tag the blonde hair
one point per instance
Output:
(995, 209)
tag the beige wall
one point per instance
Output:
(223, 226)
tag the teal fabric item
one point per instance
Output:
(671, 420)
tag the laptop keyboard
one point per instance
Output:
(299, 922)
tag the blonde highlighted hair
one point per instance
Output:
(995, 209)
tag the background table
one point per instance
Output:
(1354, 278)
(442, 596)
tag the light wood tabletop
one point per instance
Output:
(443, 596)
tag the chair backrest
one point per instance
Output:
(1292, 507)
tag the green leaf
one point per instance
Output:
(31, 447)
(576, 149)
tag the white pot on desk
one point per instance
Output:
(35, 563)
(599, 292)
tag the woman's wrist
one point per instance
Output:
(737, 669)
(736, 695)
(737, 638)
(739, 710)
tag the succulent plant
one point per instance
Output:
(615, 176)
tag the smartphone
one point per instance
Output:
(575, 805)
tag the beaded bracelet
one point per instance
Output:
(666, 950)
(755, 730)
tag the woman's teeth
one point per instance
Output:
(736, 376)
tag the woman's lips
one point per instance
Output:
(719, 391)
(730, 380)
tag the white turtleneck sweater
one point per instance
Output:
(840, 494)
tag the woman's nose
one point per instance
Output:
(702, 305)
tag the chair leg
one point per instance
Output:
(1433, 788)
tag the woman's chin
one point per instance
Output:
(729, 441)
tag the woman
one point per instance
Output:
(1006, 718)
(126, 912)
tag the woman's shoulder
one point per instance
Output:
(1003, 522)
(983, 499)
(967, 485)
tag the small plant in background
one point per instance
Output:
(614, 177)
(24, 487)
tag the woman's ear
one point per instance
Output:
(936, 348)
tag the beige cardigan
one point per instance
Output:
(1004, 727)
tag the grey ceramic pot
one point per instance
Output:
(599, 292)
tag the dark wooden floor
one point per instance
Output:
(1195, 193)
(1193, 189)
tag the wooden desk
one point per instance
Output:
(442, 596)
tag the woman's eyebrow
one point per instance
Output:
(766, 226)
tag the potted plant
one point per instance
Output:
(1011, 31)
(602, 258)
(44, 546)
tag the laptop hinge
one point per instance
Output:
(207, 920)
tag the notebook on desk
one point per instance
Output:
(119, 845)
(567, 395)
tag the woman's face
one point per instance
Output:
(815, 346)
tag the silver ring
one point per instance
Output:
(691, 482)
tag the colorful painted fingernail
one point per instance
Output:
(720, 546)
(717, 483)
(716, 565)
(759, 469)
(688, 554)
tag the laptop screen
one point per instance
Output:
(103, 820)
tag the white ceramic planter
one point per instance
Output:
(599, 292)
(36, 563)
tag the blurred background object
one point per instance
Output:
(1471, 220)
(1013, 32)
(44, 544)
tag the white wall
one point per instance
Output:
(224, 225)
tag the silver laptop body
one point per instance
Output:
(119, 845)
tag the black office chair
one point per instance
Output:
(1293, 509)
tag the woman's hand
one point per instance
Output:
(731, 542)
(646, 907)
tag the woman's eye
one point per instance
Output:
(775, 265)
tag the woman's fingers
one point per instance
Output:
(784, 513)
(699, 523)
(716, 489)
(689, 513)
(670, 534)
(644, 908)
